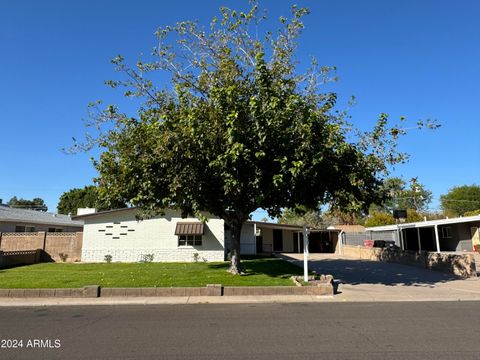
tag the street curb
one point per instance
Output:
(96, 291)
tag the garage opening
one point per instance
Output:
(420, 238)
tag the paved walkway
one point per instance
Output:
(363, 280)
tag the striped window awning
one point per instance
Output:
(189, 228)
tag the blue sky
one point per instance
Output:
(419, 59)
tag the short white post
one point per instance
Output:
(305, 254)
(340, 239)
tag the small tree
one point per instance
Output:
(379, 219)
(239, 128)
(399, 195)
(312, 218)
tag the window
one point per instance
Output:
(189, 240)
(55, 230)
(446, 232)
(21, 228)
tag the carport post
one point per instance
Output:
(437, 240)
(418, 238)
(402, 239)
(305, 253)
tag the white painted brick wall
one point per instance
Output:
(248, 240)
(131, 239)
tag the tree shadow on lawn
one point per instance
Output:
(357, 272)
(267, 266)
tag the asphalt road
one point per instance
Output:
(393, 330)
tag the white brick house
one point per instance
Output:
(119, 234)
(170, 237)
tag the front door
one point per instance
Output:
(259, 244)
(277, 240)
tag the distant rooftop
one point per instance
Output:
(36, 217)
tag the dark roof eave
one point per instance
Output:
(99, 213)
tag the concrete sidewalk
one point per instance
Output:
(347, 294)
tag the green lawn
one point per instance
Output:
(258, 272)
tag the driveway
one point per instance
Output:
(375, 280)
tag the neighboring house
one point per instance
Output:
(169, 237)
(21, 220)
(444, 235)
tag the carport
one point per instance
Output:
(443, 235)
(262, 237)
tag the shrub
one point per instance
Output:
(147, 258)
(63, 256)
(108, 258)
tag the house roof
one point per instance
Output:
(8, 214)
(258, 223)
(429, 223)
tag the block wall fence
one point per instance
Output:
(53, 244)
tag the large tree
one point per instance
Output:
(76, 198)
(239, 127)
(460, 200)
(37, 204)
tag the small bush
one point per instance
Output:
(63, 257)
(147, 258)
(108, 258)
(195, 257)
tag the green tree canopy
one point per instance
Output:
(378, 218)
(35, 204)
(400, 195)
(317, 219)
(239, 127)
(460, 200)
(76, 198)
(311, 218)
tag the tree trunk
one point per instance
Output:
(235, 265)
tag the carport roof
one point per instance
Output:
(428, 223)
(270, 225)
(276, 225)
